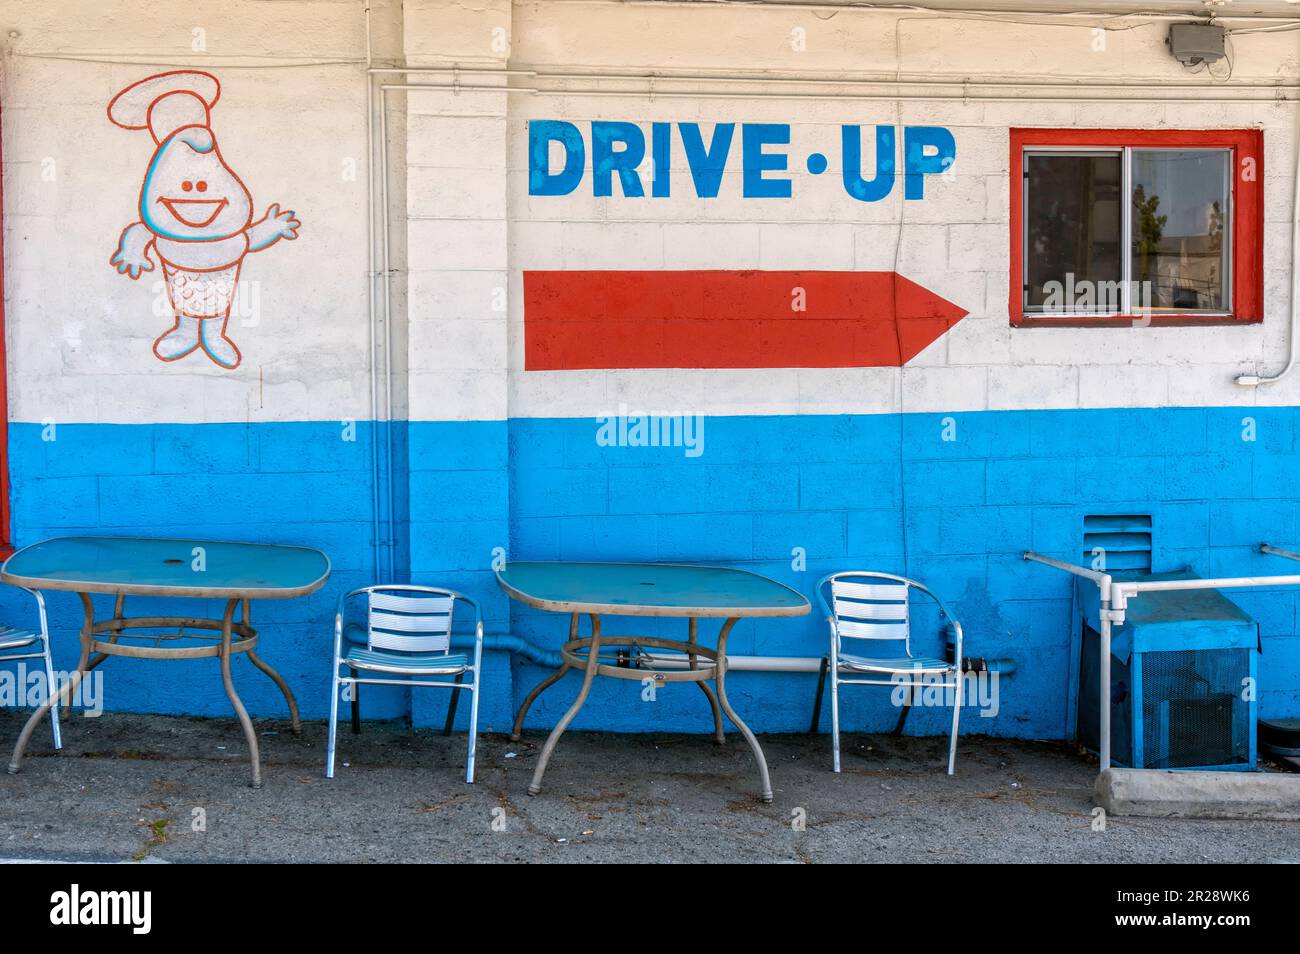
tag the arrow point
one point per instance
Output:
(917, 301)
(923, 317)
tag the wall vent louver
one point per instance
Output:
(1122, 540)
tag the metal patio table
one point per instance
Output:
(194, 569)
(646, 589)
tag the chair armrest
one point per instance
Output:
(478, 616)
(338, 635)
(44, 626)
(338, 620)
(821, 596)
(478, 643)
(947, 614)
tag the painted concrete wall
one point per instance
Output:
(848, 464)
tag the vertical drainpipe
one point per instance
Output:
(1293, 332)
(371, 277)
(387, 312)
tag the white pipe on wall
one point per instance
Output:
(1038, 13)
(371, 277)
(1255, 380)
(1123, 591)
(385, 261)
(965, 80)
(936, 89)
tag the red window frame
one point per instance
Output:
(1247, 218)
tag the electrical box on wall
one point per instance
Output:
(1195, 43)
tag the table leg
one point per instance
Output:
(257, 661)
(53, 698)
(275, 677)
(721, 678)
(542, 686)
(593, 662)
(718, 735)
(250, 736)
(85, 663)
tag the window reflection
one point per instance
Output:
(1180, 217)
(1073, 228)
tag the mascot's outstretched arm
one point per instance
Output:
(132, 255)
(272, 227)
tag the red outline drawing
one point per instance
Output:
(196, 214)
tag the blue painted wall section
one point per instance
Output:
(951, 499)
(892, 493)
(300, 483)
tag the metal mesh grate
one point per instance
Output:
(1193, 712)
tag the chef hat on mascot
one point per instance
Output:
(166, 102)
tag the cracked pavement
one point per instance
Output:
(175, 789)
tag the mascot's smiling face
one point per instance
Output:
(190, 194)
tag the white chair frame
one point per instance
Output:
(412, 622)
(12, 638)
(878, 608)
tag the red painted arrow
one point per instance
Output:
(723, 319)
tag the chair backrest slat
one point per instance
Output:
(401, 623)
(893, 592)
(853, 629)
(412, 624)
(425, 603)
(871, 610)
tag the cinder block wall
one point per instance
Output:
(846, 467)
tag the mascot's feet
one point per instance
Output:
(217, 346)
(180, 340)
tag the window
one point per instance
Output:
(1124, 226)
(4, 396)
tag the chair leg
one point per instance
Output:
(356, 704)
(473, 727)
(451, 705)
(907, 708)
(956, 715)
(334, 722)
(817, 699)
(50, 688)
(835, 714)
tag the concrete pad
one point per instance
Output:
(1153, 793)
(137, 787)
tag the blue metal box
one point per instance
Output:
(1183, 678)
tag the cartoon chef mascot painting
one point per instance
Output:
(196, 215)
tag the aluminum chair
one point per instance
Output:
(874, 609)
(407, 633)
(12, 639)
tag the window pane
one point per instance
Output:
(1073, 224)
(1180, 219)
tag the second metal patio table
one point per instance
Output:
(194, 569)
(647, 589)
